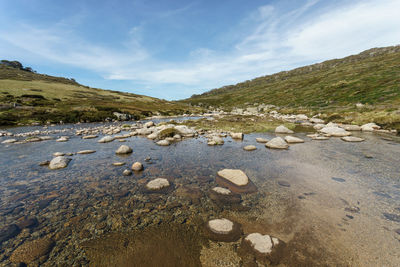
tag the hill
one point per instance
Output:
(333, 87)
(27, 96)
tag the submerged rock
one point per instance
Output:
(9, 232)
(59, 163)
(277, 143)
(237, 177)
(261, 243)
(32, 250)
(283, 130)
(124, 149)
(293, 140)
(223, 230)
(265, 247)
(222, 191)
(157, 184)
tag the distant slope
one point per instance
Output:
(371, 77)
(26, 96)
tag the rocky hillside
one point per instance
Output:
(28, 97)
(371, 77)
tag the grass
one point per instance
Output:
(42, 98)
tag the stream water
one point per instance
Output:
(334, 203)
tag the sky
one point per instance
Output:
(173, 49)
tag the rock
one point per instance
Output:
(293, 140)
(152, 136)
(238, 136)
(9, 232)
(369, 127)
(59, 163)
(124, 149)
(335, 131)
(62, 139)
(32, 250)
(283, 130)
(265, 247)
(317, 137)
(349, 127)
(9, 141)
(215, 140)
(86, 152)
(316, 120)
(277, 143)
(222, 191)
(163, 143)
(185, 131)
(283, 183)
(237, 177)
(352, 139)
(89, 136)
(301, 117)
(149, 124)
(118, 163)
(157, 184)
(58, 154)
(106, 139)
(261, 140)
(337, 179)
(223, 230)
(319, 126)
(250, 148)
(137, 166)
(261, 243)
(220, 226)
(44, 163)
(127, 172)
(27, 222)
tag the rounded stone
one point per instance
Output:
(293, 140)
(163, 143)
(277, 143)
(86, 152)
(352, 139)
(124, 149)
(106, 139)
(238, 136)
(261, 140)
(222, 191)
(250, 148)
(335, 131)
(261, 243)
(127, 172)
(157, 184)
(137, 166)
(237, 177)
(283, 129)
(59, 163)
(220, 226)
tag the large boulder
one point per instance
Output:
(124, 149)
(335, 131)
(277, 143)
(59, 162)
(283, 130)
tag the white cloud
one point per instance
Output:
(275, 41)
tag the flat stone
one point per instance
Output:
(237, 177)
(137, 166)
(261, 140)
(369, 127)
(86, 152)
(118, 163)
(220, 226)
(222, 191)
(89, 136)
(62, 139)
(335, 131)
(293, 140)
(283, 130)
(58, 154)
(157, 184)
(124, 149)
(277, 143)
(352, 139)
(250, 148)
(9, 141)
(261, 243)
(163, 143)
(59, 163)
(106, 139)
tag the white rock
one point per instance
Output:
(89, 136)
(352, 139)
(277, 142)
(157, 184)
(237, 136)
(124, 149)
(261, 243)
(349, 127)
(316, 120)
(185, 131)
(127, 172)
(106, 139)
(301, 117)
(118, 163)
(319, 126)
(152, 136)
(369, 127)
(283, 129)
(9, 141)
(137, 166)
(149, 124)
(332, 124)
(163, 143)
(62, 139)
(237, 177)
(215, 140)
(58, 154)
(220, 226)
(250, 148)
(59, 163)
(86, 151)
(293, 140)
(221, 190)
(261, 140)
(335, 131)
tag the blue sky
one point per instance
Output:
(173, 49)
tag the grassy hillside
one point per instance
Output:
(27, 97)
(371, 77)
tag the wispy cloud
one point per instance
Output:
(275, 40)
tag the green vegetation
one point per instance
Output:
(27, 97)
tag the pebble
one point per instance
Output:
(127, 172)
